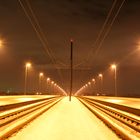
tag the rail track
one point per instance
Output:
(125, 121)
(15, 116)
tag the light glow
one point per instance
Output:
(100, 75)
(41, 74)
(113, 66)
(28, 65)
(48, 79)
(1, 43)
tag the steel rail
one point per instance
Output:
(18, 117)
(9, 117)
(122, 118)
(15, 105)
(131, 110)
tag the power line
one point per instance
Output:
(103, 27)
(103, 32)
(35, 24)
(108, 29)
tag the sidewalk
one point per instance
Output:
(66, 121)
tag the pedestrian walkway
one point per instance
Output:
(66, 121)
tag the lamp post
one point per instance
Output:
(89, 84)
(41, 74)
(101, 81)
(114, 67)
(93, 80)
(27, 66)
(55, 88)
(1, 43)
(71, 70)
(52, 86)
(48, 80)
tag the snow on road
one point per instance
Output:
(66, 121)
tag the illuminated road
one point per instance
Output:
(66, 121)
(130, 102)
(4, 100)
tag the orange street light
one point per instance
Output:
(52, 86)
(101, 79)
(89, 83)
(41, 74)
(114, 67)
(93, 80)
(48, 81)
(27, 66)
(1, 43)
(100, 75)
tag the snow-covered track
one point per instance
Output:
(14, 119)
(122, 119)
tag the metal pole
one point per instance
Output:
(39, 85)
(115, 78)
(71, 70)
(101, 85)
(47, 88)
(25, 84)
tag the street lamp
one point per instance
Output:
(1, 43)
(41, 74)
(114, 67)
(93, 80)
(27, 66)
(52, 86)
(101, 79)
(48, 80)
(89, 83)
(55, 85)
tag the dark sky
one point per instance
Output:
(61, 20)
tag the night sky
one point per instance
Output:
(59, 21)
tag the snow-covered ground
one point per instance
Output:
(66, 121)
(4, 100)
(130, 102)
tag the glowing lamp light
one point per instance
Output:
(48, 79)
(28, 64)
(113, 66)
(100, 75)
(89, 83)
(41, 74)
(1, 43)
